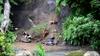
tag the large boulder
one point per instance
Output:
(91, 53)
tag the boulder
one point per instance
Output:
(91, 53)
(75, 53)
(22, 52)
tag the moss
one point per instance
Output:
(38, 29)
(75, 53)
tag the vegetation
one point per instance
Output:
(38, 29)
(6, 43)
(81, 7)
(82, 31)
(6, 48)
(40, 51)
(82, 27)
(7, 38)
(10, 37)
(76, 53)
(1, 8)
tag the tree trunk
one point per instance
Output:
(6, 19)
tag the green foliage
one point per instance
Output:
(40, 51)
(82, 31)
(6, 43)
(1, 1)
(75, 53)
(70, 29)
(1, 18)
(1, 8)
(2, 37)
(6, 39)
(6, 48)
(38, 29)
(95, 45)
(10, 36)
(81, 7)
(13, 2)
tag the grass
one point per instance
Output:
(75, 53)
(38, 29)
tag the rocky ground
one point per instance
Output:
(56, 50)
(56, 53)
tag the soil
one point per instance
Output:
(31, 46)
(56, 50)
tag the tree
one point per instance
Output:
(6, 19)
(6, 36)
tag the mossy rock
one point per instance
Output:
(75, 53)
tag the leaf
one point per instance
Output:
(1, 17)
(1, 1)
(64, 3)
(13, 2)
(1, 9)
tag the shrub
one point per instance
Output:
(95, 45)
(70, 29)
(38, 29)
(81, 31)
(6, 48)
(40, 51)
(6, 42)
(10, 36)
(81, 7)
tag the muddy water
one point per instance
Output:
(56, 53)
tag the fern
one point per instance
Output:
(40, 51)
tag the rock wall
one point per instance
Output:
(29, 13)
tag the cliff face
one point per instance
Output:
(28, 13)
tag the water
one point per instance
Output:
(56, 53)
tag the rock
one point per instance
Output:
(91, 53)
(51, 41)
(23, 53)
(27, 38)
(75, 53)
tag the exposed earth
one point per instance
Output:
(56, 50)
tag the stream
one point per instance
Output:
(56, 53)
